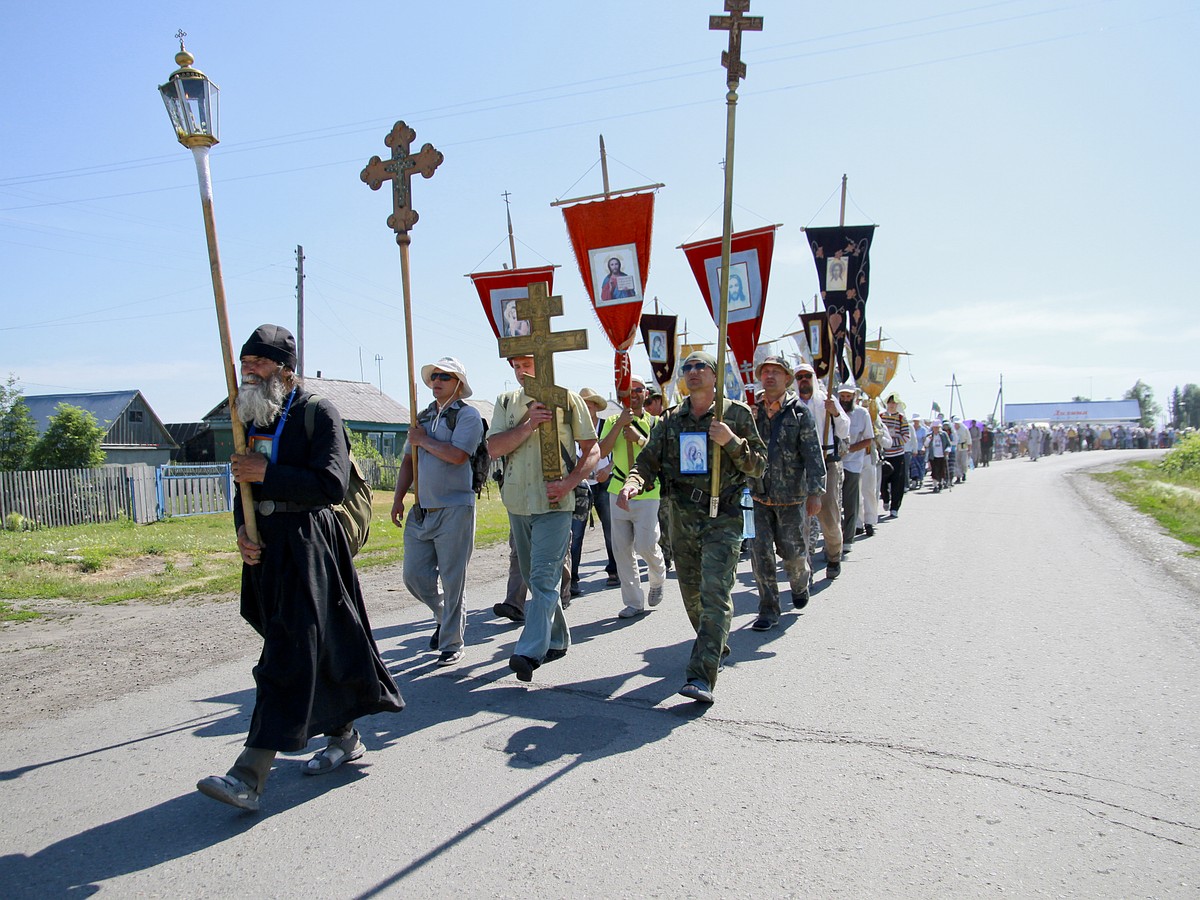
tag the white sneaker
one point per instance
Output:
(630, 612)
(654, 597)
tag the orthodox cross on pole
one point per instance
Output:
(541, 343)
(399, 170)
(735, 23)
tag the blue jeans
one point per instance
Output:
(541, 544)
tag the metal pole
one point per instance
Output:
(214, 261)
(723, 321)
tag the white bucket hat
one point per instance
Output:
(454, 367)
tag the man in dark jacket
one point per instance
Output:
(788, 492)
(319, 669)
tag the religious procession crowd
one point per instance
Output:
(797, 464)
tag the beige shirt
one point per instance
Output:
(524, 490)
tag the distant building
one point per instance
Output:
(133, 433)
(366, 411)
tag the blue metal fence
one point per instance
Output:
(194, 490)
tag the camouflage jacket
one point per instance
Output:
(743, 456)
(795, 463)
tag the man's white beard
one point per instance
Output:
(261, 400)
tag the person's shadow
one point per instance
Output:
(581, 722)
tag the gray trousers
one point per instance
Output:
(441, 546)
(851, 497)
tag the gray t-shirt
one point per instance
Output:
(441, 483)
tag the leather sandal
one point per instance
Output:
(338, 751)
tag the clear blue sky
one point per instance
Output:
(1030, 165)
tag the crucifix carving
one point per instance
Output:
(735, 23)
(399, 170)
(541, 343)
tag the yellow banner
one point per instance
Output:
(881, 366)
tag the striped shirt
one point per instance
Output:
(898, 428)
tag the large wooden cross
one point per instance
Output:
(541, 343)
(399, 170)
(735, 23)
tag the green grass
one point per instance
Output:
(1171, 497)
(197, 555)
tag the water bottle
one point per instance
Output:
(747, 515)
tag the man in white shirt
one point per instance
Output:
(860, 435)
(813, 396)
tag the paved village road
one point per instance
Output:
(999, 695)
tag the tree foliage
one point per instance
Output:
(1189, 407)
(18, 431)
(71, 441)
(1144, 395)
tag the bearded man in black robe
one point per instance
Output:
(319, 669)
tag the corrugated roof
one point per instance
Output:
(106, 407)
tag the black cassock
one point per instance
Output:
(319, 667)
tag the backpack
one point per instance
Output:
(354, 512)
(481, 462)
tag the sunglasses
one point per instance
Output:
(442, 376)
(692, 367)
(807, 375)
(637, 390)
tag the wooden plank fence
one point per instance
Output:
(55, 497)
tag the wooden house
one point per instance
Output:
(132, 431)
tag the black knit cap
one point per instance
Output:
(273, 342)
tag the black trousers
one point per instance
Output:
(892, 481)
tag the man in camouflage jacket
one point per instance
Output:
(706, 549)
(787, 493)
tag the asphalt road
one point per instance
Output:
(998, 696)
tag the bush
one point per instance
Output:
(1184, 460)
(71, 441)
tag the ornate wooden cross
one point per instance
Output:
(541, 343)
(735, 23)
(399, 170)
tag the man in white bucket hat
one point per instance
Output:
(439, 536)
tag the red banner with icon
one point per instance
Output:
(500, 291)
(611, 242)
(749, 273)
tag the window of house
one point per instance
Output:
(389, 444)
(375, 438)
(135, 415)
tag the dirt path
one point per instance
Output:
(79, 654)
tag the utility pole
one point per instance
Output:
(299, 310)
(379, 368)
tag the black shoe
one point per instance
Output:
(800, 600)
(433, 638)
(613, 580)
(762, 623)
(554, 653)
(450, 657)
(523, 666)
(576, 590)
(508, 611)
(870, 530)
(833, 570)
(859, 532)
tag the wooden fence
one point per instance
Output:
(54, 497)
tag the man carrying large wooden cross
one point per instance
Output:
(539, 475)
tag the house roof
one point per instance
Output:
(357, 401)
(106, 407)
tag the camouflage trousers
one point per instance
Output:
(782, 530)
(706, 558)
(664, 531)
